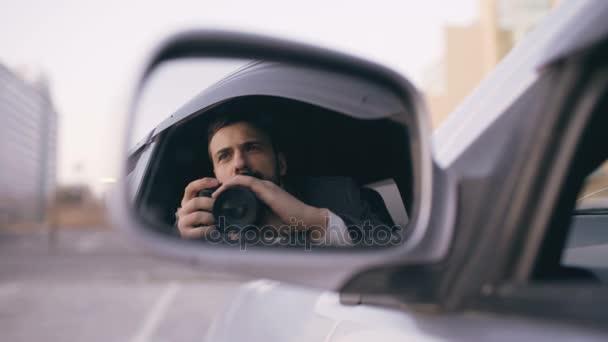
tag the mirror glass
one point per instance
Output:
(243, 153)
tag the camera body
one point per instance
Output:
(235, 209)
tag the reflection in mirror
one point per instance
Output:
(244, 153)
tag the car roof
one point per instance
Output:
(569, 28)
(338, 92)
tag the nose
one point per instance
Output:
(239, 163)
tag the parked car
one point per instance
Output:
(505, 237)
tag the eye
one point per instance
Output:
(223, 156)
(253, 147)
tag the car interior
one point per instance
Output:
(315, 140)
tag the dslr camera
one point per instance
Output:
(236, 208)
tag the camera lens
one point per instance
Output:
(236, 208)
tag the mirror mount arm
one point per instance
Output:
(412, 286)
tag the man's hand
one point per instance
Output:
(195, 217)
(286, 207)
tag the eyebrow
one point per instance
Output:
(252, 142)
(248, 142)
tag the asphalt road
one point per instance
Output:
(89, 285)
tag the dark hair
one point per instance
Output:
(242, 110)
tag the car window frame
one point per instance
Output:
(141, 161)
(508, 289)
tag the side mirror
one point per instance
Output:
(275, 159)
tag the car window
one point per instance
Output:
(587, 243)
(594, 194)
(388, 190)
(575, 247)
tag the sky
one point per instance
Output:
(93, 52)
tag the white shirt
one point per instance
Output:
(336, 233)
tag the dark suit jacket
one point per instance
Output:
(362, 209)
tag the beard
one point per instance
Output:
(275, 178)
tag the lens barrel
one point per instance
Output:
(235, 209)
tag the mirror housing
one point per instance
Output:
(327, 269)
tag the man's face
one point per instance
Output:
(241, 147)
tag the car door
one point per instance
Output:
(548, 254)
(502, 198)
(508, 174)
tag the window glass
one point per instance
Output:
(587, 244)
(594, 194)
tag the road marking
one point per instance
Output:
(157, 312)
(332, 332)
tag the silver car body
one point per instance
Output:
(270, 311)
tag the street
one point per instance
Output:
(92, 285)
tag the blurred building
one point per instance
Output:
(28, 145)
(76, 207)
(472, 51)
